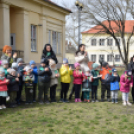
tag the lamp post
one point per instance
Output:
(79, 7)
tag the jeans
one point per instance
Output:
(29, 94)
(86, 95)
(125, 96)
(114, 94)
(19, 93)
(94, 92)
(104, 88)
(53, 92)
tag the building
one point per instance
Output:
(100, 44)
(70, 53)
(27, 25)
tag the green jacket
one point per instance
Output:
(6, 73)
(95, 73)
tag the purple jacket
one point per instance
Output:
(125, 84)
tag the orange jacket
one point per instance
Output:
(104, 72)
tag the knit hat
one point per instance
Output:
(76, 64)
(11, 70)
(95, 65)
(27, 68)
(65, 61)
(104, 64)
(2, 70)
(19, 60)
(32, 62)
(51, 62)
(4, 62)
(114, 70)
(129, 73)
(45, 61)
(14, 65)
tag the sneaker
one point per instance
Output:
(7, 98)
(96, 101)
(108, 100)
(112, 100)
(124, 103)
(34, 101)
(3, 106)
(76, 100)
(61, 100)
(66, 101)
(93, 101)
(47, 102)
(41, 102)
(85, 100)
(116, 101)
(102, 100)
(88, 101)
(129, 104)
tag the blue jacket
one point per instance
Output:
(114, 83)
(35, 72)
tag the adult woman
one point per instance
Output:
(131, 67)
(82, 58)
(7, 50)
(48, 53)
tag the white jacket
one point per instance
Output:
(54, 80)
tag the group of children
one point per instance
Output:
(45, 77)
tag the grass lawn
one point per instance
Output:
(68, 118)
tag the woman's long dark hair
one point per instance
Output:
(79, 49)
(45, 51)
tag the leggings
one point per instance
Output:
(125, 96)
(64, 89)
(77, 90)
(2, 100)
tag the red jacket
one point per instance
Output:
(3, 85)
(78, 77)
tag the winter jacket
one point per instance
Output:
(28, 80)
(106, 75)
(51, 56)
(65, 74)
(6, 73)
(95, 73)
(20, 71)
(54, 80)
(78, 77)
(13, 84)
(125, 83)
(87, 83)
(35, 72)
(83, 61)
(3, 85)
(114, 83)
(9, 59)
(131, 67)
(44, 76)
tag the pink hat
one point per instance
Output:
(76, 64)
(0, 62)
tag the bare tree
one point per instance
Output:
(105, 14)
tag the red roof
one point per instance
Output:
(99, 29)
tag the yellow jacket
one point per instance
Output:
(65, 74)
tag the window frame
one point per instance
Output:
(119, 41)
(92, 42)
(108, 42)
(118, 58)
(100, 42)
(93, 56)
(109, 59)
(32, 38)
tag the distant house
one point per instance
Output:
(27, 25)
(100, 44)
(70, 53)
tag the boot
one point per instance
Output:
(76, 100)
(85, 100)
(112, 100)
(116, 100)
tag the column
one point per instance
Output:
(63, 42)
(4, 24)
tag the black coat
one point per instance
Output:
(44, 76)
(52, 56)
(13, 84)
(131, 67)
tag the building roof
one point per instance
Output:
(49, 1)
(99, 29)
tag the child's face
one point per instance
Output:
(13, 73)
(5, 66)
(78, 68)
(115, 73)
(66, 65)
(33, 65)
(43, 65)
(2, 74)
(53, 66)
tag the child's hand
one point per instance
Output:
(18, 75)
(17, 79)
(131, 85)
(70, 68)
(15, 55)
(46, 69)
(7, 80)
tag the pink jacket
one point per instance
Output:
(78, 78)
(125, 84)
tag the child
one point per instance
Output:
(95, 83)
(28, 79)
(20, 63)
(35, 72)
(13, 87)
(44, 78)
(65, 72)
(54, 80)
(87, 85)
(3, 89)
(114, 85)
(126, 82)
(5, 67)
(78, 78)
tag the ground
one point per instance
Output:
(68, 118)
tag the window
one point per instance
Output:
(93, 58)
(118, 41)
(55, 40)
(109, 58)
(117, 58)
(102, 41)
(109, 42)
(33, 38)
(93, 42)
(102, 56)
